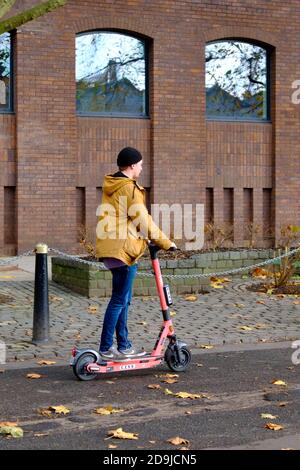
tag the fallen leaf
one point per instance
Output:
(261, 273)
(261, 302)
(143, 323)
(279, 382)
(167, 376)
(8, 423)
(192, 396)
(45, 412)
(191, 298)
(177, 441)
(120, 434)
(108, 410)
(188, 413)
(260, 326)
(199, 365)
(110, 382)
(220, 279)
(59, 409)
(280, 296)
(245, 328)
(168, 392)
(93, 308)
(172, 313)
(239, 305)
(283, 403)
(46, 362)
(170, 381)
(13, 431)
(40, 434)
(273, 426)
(215, 285)
(206, 346)
(54, 298)
(296, 302)
(154, 386)
(268, 416)
(152, 442)
(112, 446)
(33, 376)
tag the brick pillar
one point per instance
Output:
(238, 218)
(91, 204)
(218, 207)
(258, 214)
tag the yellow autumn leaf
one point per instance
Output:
(273, 426)
(154, 386)
(170, 381)
(45, 412)
(191, 298)
(219, 279)
(13, 431)
(270, 291)
(112, 446)
(46, 362)
(279, 382)
(168, 392)
(108, 410)
(167, 376)
(206, 346)
(120, 434)
(245, 328)
(172, 313)
(33, 376)
(59, 409)
(55, 298)
(192, 396)
(93, 308)
(268, 416)
(215, 285)
(239, 305)
(177, 441)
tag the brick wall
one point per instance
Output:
(47, 151)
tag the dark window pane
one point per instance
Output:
(5, 72)
(236, 81)
(110, 74)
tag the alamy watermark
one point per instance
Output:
(296, 355)
(135, 222)
(2, 352)
(296, 93)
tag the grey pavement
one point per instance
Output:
(231, 315)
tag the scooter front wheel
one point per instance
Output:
(79, 367)
(174, 364)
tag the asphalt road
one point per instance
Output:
(237, 384)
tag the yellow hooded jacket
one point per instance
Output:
(124, 224)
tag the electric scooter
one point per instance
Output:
(87, 363)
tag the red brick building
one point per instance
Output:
(53, 156)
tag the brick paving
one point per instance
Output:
(230, 315)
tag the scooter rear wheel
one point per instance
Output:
(173, 363)
(79, 367)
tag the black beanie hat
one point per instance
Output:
(128, 156)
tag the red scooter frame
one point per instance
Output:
(87, 363)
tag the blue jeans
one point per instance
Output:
(115, 318)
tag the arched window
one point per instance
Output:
(111, 74)
(5, 73)
(237, 81)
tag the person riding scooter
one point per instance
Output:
(120, 245)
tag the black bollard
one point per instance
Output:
(40, 333)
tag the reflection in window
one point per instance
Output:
(5, 72)
(110, 74)
(236, 81)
